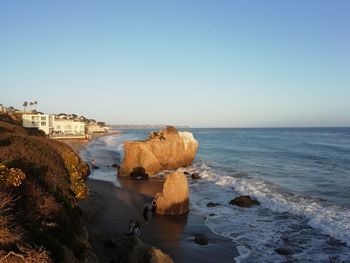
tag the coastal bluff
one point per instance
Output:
(167, 149)
(41, 182)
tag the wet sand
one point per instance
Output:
(108, 210)
(113, 202)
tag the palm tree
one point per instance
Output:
(35, 103)
(25, 105)
(31, 105)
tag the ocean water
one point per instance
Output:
(300, 176)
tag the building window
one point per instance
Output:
(43, 118)
(68, 126)
(43, 123)
(58, 127)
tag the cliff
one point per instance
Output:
(167, 149)
(41, 181)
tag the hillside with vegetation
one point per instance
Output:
(41, 181)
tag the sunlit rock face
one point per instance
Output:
(167, 149)
(132, 249)
(174, 199)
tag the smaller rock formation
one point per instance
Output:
(174, 200)
(195, 176)
(139, 173)
(283, 251)
(201, 239)
(132, 249)
(244, 201)
(211, 204)
(158, 256)
(116, 166)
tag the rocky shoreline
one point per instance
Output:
(108, 209)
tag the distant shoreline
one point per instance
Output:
(78, 145)
(136, 127)
(126, 126)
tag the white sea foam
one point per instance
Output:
(110, 140)
(188, 139)
(283, 219)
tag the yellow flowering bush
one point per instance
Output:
(79, 188)
(11, 176)
(76, 172)
(78, 185)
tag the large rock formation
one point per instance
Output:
(174, 200)
(167, 149)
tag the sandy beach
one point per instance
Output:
(76, 145)
(108, 210)
(79, 144)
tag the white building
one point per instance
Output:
(40, 121)
(67, 127)
(52, 125)
(95, 128)
(2, 109)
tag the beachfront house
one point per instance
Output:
(67, 126)
(2, 109)
(53, 125)
(95, 128)
(39, 121)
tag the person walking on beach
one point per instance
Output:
(93, 163)
(137, 229)
(131, 228)
(154, 207)
(145, 214)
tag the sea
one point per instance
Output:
(300, 176)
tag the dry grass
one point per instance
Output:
(11, 235)
(9, 232)
(25, 255)
(44, 202)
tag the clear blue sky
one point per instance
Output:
(200, 63)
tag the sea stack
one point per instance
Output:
(174, 199)
(167, 149)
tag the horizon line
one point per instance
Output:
(230, 127)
